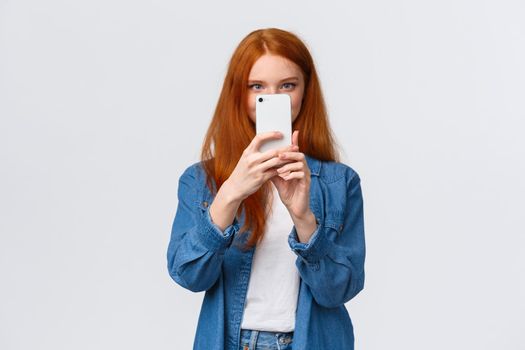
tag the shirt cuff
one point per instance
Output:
(314, 249)
(211, 235)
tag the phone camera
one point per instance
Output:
(260, 99)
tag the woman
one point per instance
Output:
(275, 238)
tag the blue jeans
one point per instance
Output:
(262, 340)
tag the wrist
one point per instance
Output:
(229, 195)
(224, 208)
(305, 226)
(306, 217)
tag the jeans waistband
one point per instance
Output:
(246, 331)
(252, 338)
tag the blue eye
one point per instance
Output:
(254, 86)
(291, 85)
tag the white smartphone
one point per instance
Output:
(273, 112)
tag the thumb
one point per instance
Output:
(295, 138)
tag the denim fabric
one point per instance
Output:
(262, 340)
(331, 264)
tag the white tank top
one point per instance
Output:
(273, 287)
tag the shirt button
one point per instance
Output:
(205, 204)
(340, 227)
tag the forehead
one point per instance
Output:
(273, 67)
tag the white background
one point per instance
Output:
(104, 103)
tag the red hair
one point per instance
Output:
(231, 129)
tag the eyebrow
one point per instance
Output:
(262, 81)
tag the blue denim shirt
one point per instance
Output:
(201, 257)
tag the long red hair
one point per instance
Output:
(231, 130)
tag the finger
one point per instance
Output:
(296, 166)
(260, 157)
(268, 174)
(275, 162)
(295, 138)
(299, 156)
(295, 175)
(259, 139)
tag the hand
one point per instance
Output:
(254, 168)
(293, 182)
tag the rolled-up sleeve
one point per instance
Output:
(331, 263)
(196, 247)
